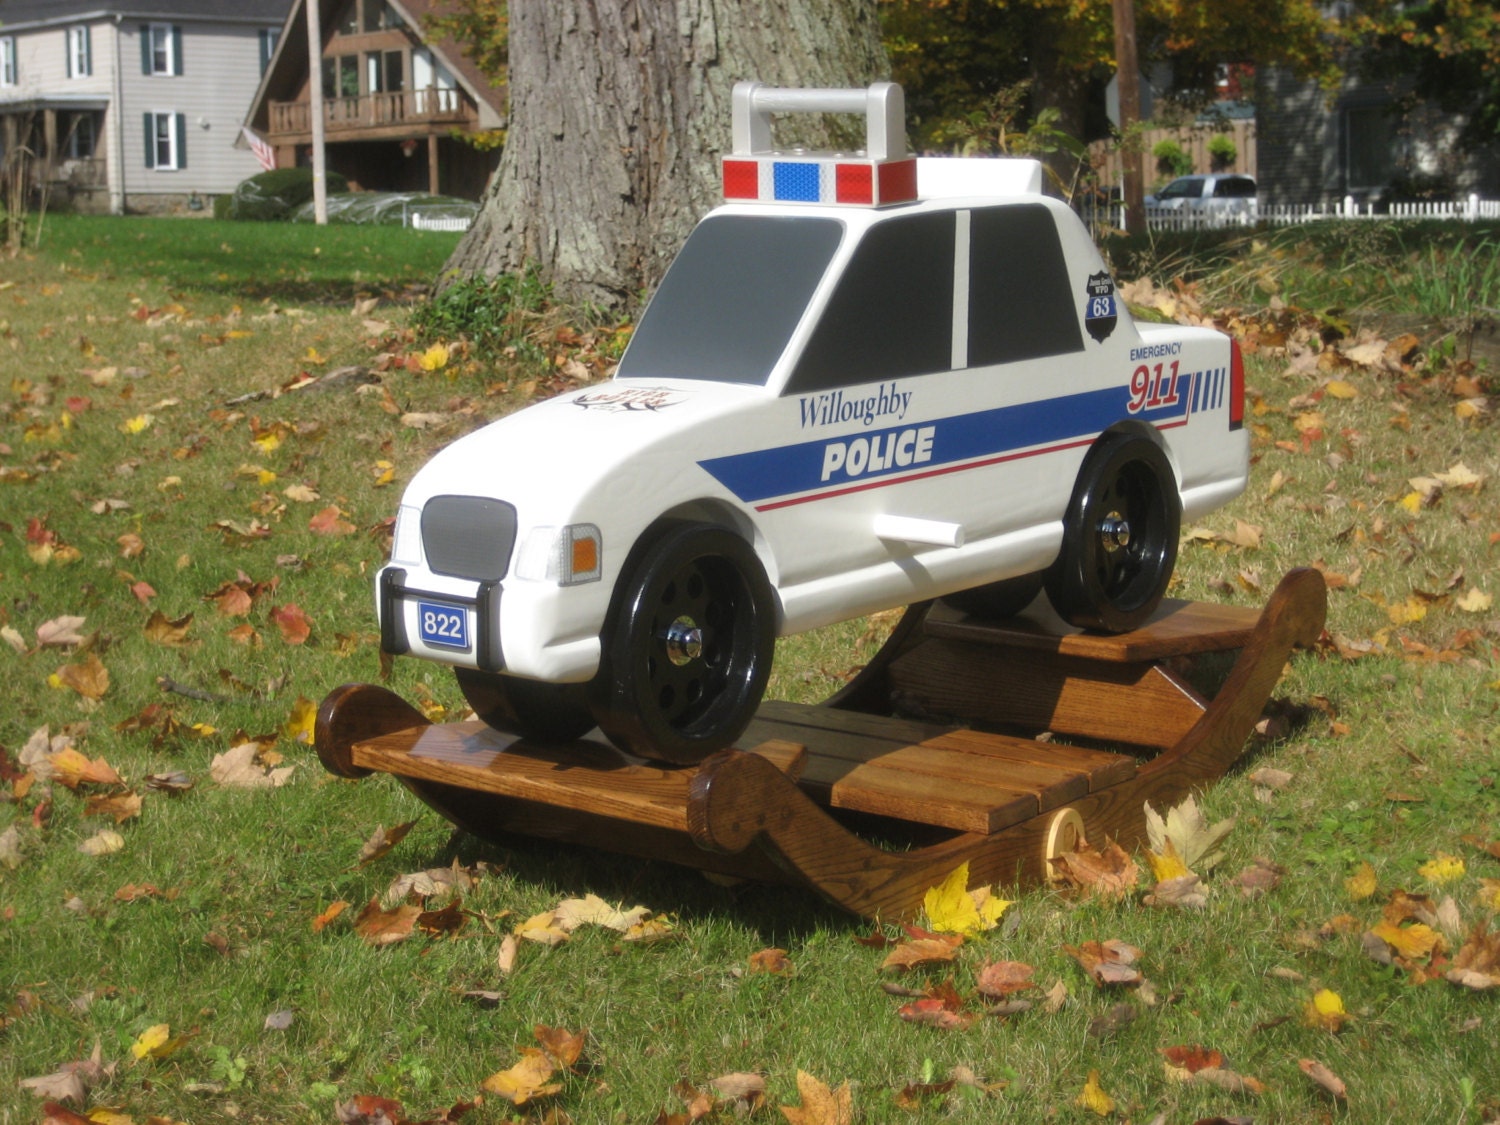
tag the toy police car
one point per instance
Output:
(865, 381)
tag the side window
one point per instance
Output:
(891, 314)
(1020, 305)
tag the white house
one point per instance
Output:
(132, 107)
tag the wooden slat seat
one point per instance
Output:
(960, 779)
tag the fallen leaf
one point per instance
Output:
(505, 961)
(1192, 1059)
(158, 1042)
(1324, 1077)
(381, 842)
(105, 842)
(952, 908)
(173, 634)
(385, 927)
(88, 678)
(1111, 873)
(293, 623)
(774, 961)
(1442, 868)
(60, 632)
(526, 1081)
(592, 910)
(542, 929)
(279, 1020)
(334, 910)
(239, 767)
(1325, 1011)
(742, 1089)
(1108, 963)
(72, 769)
(1477, 963)
(1259, 877)
(563, 1047)
(1093, 1098)
(330, 521)
(1475, 600)
(1186, 891)
(1001, 978)
(1361, 885)
(820, 1105)
(1189, 832)
(71, 1081)
(120, 806)
(923, 951)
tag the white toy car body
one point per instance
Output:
(870, 406)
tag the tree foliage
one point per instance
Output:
(952, 55)
(1449, 49)
(482, 28)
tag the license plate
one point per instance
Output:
(443, 625)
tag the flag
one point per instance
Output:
(263, 151)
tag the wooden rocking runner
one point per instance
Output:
(774, 808)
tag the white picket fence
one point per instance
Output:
(1468, 210)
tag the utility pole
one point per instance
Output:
(315, 109)
(1128, 79)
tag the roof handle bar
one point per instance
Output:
(882, 103)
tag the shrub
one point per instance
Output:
(1222, 152)
(493, 314)
(273, 195)
(1171, 160)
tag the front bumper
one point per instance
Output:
(484, 607)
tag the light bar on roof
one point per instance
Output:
(883, 174)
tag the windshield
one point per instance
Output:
(732, 298)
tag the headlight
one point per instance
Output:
(568, 556)
(406, 543)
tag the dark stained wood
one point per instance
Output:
(1177, 628)
(746, 812)
(1136, 703)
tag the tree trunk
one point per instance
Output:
(619, 111)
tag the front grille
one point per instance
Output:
(468, 536)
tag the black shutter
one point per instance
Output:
(88, 51)
(150, 142)
(176, 49)
(145, 48)
(179, 120)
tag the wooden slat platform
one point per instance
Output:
(1177, 628)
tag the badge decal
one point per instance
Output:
(631, 399)
(1099, 312)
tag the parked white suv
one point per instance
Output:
(1231, 195)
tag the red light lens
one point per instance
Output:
(1236, 386)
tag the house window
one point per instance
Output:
(1369, 147)
(341, 77)
(81, 136)
(378, 16)
(80, 62)
(385, 71)
(7, 61)
(269, 37)
(161, 49)
(166, 141)
(347, 22)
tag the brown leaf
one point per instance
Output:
(60, 632)
(1118, 1017)
(121, 806)
(914, 1097)
(381, 842)
(1110, 873)
(1477, 964)
(367, 1109)
(385, 927)
(293, 623)
(526, 1081)
(1109, 963)
(334, 910)
(72, 769)
(89, 678)
(173, 634)
(1001, 978)
(742, 1089)
(1193, 1059)
(1324, 1077)
(923, 951)
(71, 1081)
(820, 1105)
(773, 961)
(241, 767)
(563, 1047)
(1185, 891)
(449, 920)
(330, 521)
(1260, 877)
(231, 600)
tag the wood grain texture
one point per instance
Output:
(753, 812)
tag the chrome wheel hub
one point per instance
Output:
(684, 641)
(1114, 532)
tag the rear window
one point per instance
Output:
(1235, 187)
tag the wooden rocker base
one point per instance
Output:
(776, 807)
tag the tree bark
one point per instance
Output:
(619, 113)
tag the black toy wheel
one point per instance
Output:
(1119, 537)
(532, 709)
(688, 646)
(998, 600)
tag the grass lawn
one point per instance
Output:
(179, 470)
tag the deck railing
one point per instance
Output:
(431, 106)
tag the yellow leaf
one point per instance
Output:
(1489, 894)
(299, 724)
(1412, 942)
(820, 1105)
(1093, 1098)
(1325, 1010)
(102, 1115)
(1442, 868)
(312, 356)
(542, 929)
(156, 1042)
(1339, 388)
(1404, 613)
(952, 908)
(1361, 884)
(1412, 502)
(526, 1080)
(266, 477)
(269, 443)
(434, 358)
(137, 424)
(1167, 865)
(1475, 600)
